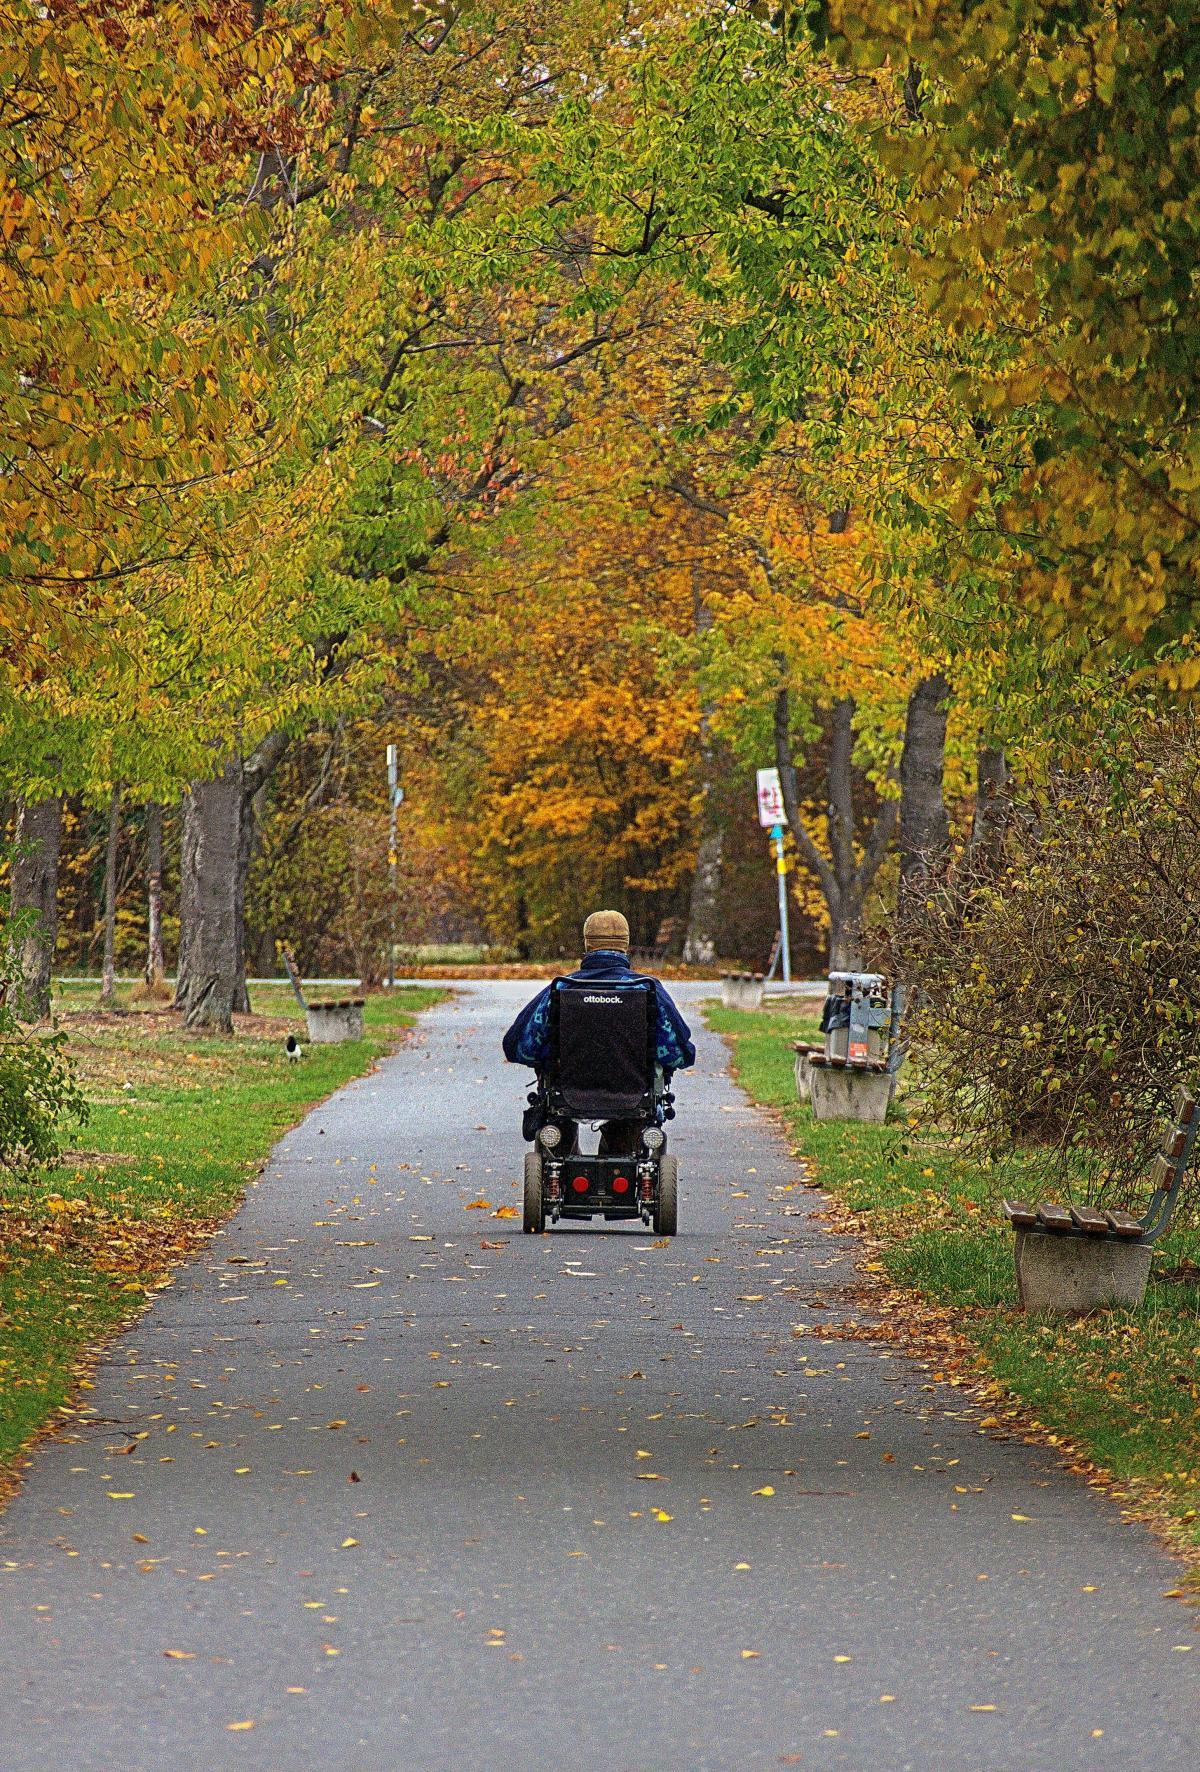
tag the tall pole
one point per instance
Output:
(393, 803)
(781, 878)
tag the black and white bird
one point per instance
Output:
(294, 1049)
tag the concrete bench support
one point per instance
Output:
(841, 1093)
(331, 1023)
(1071, 1276)
(742, 990)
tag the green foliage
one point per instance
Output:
(1061, 988)
(39, 1090)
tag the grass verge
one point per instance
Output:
(179, 1124)
(1122, 1387)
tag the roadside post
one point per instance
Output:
(772, 816)
(395, 796)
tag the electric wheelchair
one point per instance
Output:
(602, 1067)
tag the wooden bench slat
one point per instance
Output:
(1123, 1224)
(1173, 1143)
(1185, 1107)
(1054, 1218)
(1019, 1214)
(1089, 1220)
(1162, 1172)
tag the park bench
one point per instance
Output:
(328, 1023)
(666, 939)
(1074, 1230)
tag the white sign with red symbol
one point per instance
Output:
(770, 799)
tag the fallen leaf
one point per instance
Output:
(479, 1205)
(248, 1724)
(660, 1515)
(364, 1285)
(120, 1494)
(750, 1654)
(1023, 1518)
(349, 1543)
(180, 1654)
(765, 1490)
(506, 1212)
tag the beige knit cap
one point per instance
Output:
(607, 930)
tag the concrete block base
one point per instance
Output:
(838, 1094)
(331, 1023)
(1071, 1276)
(742, 990)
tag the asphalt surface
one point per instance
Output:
(417, 1491)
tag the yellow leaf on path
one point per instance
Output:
(248, 1724)
(347, 1543)
(646, 1477)
(364, 1285)
(1024, 1518)
(661, 1243)
(479, 1205)
(660, 1515)
(983, 1707)
(765, 1490)
(120, 1494)
(180, 1654)
(139, 1538)
(741, 1565)
(841, 1658)
(750, 1654)
(506, 1212)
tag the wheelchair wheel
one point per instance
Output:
(535, 1209)
(666, 1212)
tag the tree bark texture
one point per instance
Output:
(700, 942)
(844, 881)
(212, 974)
(155, 963)
(924, 823)
(993, 804)
(38, 837)
(109, 966)
(218, 839)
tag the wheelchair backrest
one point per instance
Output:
(603, 1039)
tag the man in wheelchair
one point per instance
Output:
(605, 1043)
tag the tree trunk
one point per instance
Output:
(218, 836)
(703, 927)
(155, 965)
(844, 883)
(924, 825)
(993, 803)
(212, 982)
(37, 839)
(109, 967)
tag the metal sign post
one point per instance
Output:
(395, 796)
(773, 817)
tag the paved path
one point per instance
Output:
(496, 1589)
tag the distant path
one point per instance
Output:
(511, 1602)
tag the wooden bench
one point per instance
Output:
(665, 940)
(1166, 1174)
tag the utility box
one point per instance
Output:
(856, 1018)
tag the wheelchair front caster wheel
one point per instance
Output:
(535, 1206)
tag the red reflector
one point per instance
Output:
(580, 1184)
(620, 1184)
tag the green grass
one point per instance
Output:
(1123, 1385)
(178, 1125)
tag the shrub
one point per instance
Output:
(1060, 991)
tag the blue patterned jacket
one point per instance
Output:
(528, 1039)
